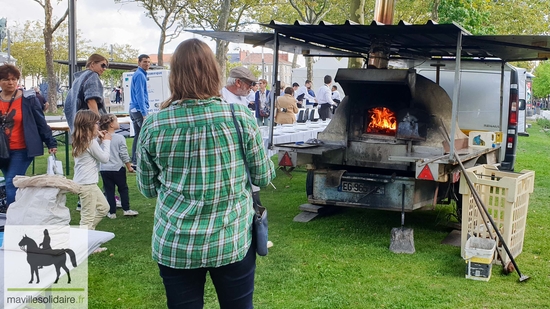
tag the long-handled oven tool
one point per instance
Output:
(402, 239)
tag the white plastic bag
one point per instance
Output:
(55, 167)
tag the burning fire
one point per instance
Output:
(382, 121)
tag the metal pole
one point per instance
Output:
(502, 96)
(263, 63)
(9, 47)
(273, 86)
(455, 95)
(72, 41)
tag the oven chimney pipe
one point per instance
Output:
(383, 11)
(380, 47)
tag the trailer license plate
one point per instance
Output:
(358, 187)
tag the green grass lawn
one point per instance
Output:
(342, 260)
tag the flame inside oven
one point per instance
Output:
(382, 121)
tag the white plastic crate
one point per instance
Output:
(506, 196)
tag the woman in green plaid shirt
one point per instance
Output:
(188, 157)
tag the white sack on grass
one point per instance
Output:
(40, 200)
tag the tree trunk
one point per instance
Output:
(222, 47)
(357, 14)
(48, 38)
(160, 53)
(309, 66)
(295, 61)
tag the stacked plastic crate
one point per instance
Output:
(506, 196)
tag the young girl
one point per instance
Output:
(113, 172)
(90, 147)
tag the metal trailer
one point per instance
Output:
(414, 165)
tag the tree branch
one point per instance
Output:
(295, 6)
(41, 4)
(60, 20)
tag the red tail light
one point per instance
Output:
(513, 117)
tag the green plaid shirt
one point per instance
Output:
(189, 158)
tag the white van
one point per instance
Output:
(480, 107)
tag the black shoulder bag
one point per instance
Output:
(6, 122)
(259, 225)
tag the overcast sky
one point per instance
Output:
(101, 21)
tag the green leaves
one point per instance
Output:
(541, 82)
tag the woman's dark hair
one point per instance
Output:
(289, 90)
(7, 69)
(105, 121)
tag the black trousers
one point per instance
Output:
(324, 111)
(112, 179)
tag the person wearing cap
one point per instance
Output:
(238, 85)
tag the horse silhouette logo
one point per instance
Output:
(44, 255)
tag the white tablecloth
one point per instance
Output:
(280, 135)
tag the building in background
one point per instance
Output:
(166, 58)
(264, 62)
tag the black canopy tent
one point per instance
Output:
(403, 40)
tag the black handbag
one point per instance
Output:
(264, 112)
(259, 225)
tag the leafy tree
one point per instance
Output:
(225, 15)
(49, 28)
(121, 53)
(474, 15)
(28, 48)
(168, 15)
(541, 82)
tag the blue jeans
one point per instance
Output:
(137, 121)
(234, 284)
(17, 164)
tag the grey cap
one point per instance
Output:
(243, 73)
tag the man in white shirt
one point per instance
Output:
(335, 94)
(324, 98)
(238, 86)
(301, 93)
(252, 96)
(261, 101)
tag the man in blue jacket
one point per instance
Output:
(139, 99)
